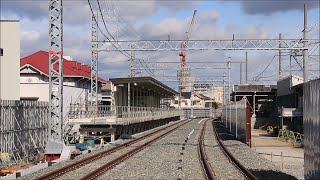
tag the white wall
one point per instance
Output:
(41, 90)
(10, 61)
(31, 90)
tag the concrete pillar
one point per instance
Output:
(131, 129)
(133, 96)
(118, 96)
(145, 98)
(149, 98)
(139, 97)
(112, 132)
(158, 100)
(113, 97)
(124, 97)
(125, 92)
(129, 97)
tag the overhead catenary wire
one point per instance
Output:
(96, 21)
(127, 32)
(113, 44)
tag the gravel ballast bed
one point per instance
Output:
(84, 170)
(80, 157)
(220, 164)
(168, 158)
(258, 165)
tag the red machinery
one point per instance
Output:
(183, 54)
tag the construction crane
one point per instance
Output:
(183, 53)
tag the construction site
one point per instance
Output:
(104, 89)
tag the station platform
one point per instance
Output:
(136, 106)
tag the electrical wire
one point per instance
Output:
(107, 28)
(127, 55)
(256, 77)
(93, 15)
(125, 29)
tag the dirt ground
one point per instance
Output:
(292, 160)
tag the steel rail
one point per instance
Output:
(73, 166)
(232, 158)
(96, 173)
(207, 170)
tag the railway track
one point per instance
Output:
(237, 163)
(208, 170)
(126, 150)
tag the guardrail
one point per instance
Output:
(127, 114)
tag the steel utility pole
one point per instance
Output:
(280, 73)
(132, 64)
(224, 97)
(305, 45)
(246, 67)
(229, 88)
(55, 143)
(229, 78)
(94, 62)
(240, 73)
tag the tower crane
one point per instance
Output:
(183, 53)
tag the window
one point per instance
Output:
(1, 52)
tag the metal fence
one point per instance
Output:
(23, 130)
(234, 118)
(127, 114)
(197, 112)
(311, 130)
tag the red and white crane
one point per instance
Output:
(183, 53)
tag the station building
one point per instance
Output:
(135, 107)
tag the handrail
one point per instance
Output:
(128, 114)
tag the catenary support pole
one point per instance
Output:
(55, 130)
(305, 45)
(94, 62)
(224, 95)
(280, 73)
(229, 89)
(129, 98)
(246, 67)
(240, 73)
(236, 119)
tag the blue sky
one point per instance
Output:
(156, 19)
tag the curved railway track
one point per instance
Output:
(109, 164)
(236, 162)
(207, 169)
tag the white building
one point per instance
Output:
(9, 59)
(187, 100)
(34, 80)
(213, 92)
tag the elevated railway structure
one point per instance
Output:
(135, 107)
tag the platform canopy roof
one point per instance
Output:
(148, 83)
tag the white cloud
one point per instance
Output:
(29, 36)
(206, 27)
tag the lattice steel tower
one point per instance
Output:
(55, 142)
